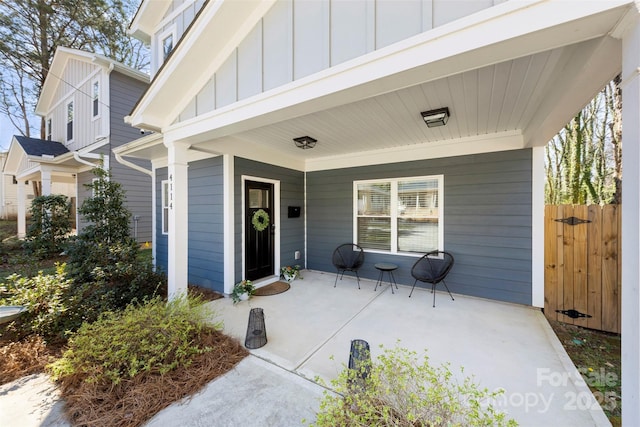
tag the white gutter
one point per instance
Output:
(132, 165)
(79, 159)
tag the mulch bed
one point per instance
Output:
(204, 293)
(25, 357)
(135, 401)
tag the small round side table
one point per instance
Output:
(389, 268)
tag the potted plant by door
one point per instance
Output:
(290, 272)
(242, 291)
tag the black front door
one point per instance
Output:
(259, 229)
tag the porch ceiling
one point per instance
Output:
(529, 98)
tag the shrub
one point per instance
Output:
(47, 301)
(50, 225)
(399, 390)
(155, 337)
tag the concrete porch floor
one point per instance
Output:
(310, 327)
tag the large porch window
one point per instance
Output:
(401, 215)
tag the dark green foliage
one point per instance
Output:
(46, 298)
(50, 225)
(103, 259)
(155, 337)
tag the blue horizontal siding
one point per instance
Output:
(487, 220)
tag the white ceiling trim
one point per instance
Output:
(502, 141)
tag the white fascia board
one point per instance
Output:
(503, 141)
(216, 33)
(144, 142)
(469, 43)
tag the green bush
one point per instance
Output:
(400, 390)
(155, 337)
(47, 299)
(50, 225)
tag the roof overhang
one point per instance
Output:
(146, 19)
(580, 56)
(213, 36)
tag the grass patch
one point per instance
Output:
(597, 356)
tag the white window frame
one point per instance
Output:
(394, 212)
(169, 32)
(66, 121)
(49, 135)
(164, 205)
(95, 82)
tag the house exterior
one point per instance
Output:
(83, 101)
(9, 193)
(238, 85)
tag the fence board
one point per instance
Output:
(580, 294)
(550, 263)
(568, 283)
(610, 269)
(594, 271)
(582, 265)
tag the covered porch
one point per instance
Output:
(310, 327)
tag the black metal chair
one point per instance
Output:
(348, 257)
(432, 268)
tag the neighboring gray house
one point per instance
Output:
(236, 83)
(84, 101)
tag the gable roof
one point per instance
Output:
(59, 63)
(40, 147)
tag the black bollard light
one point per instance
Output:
(256, 331)
(360, 362)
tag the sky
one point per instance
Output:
(6, 133)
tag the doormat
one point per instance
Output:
(272, 289)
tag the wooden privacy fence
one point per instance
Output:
(582, 265)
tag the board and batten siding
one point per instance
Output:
(178, 17)
(291, 194)
(487, 221)
(297, 38)
(123, 95)
(76, 86)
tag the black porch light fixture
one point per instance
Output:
(305, 142)
(434, 118)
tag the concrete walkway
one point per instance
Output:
(309, 331)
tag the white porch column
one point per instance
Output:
(537, 227)
(45, 178)
(228, 222)
(22, 210)
(178, 259)
(631, 224)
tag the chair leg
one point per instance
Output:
(414, 285)
(358, 277)
(336, 282)
(433, 291)
(445, 285)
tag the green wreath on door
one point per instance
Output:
(260, 220)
